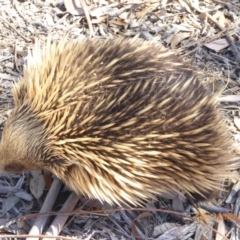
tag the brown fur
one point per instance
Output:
(118, 120)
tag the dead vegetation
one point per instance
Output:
(204, 33)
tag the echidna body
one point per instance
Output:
(118, 120)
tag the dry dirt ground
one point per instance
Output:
(204, 33)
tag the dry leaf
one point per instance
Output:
(180, 232)
(185, 6)
(177, 205)
(231, 196)
(202, 16)
(135, 231)
(37, 184)
(221, 19)
(101, 11)
(160, 229)
(49, 20)
(146, 10)
(99, 19)
(183, 27)
(221, 229)
(23, 195)
(74, 7)
(7, 77)
(178, 38)
(203, 212)
(169, 195)
(236, 121)
(134, 24)
(124, 15)
(143, 215)
(9, 203)
(217, 45)
(119, 22)
(111, 234)
(22, 224)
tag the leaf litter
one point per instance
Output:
(203, 33)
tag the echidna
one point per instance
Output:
(119, 120)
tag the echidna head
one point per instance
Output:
(20, 144)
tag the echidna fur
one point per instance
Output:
(118, 120)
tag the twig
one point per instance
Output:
(19, 236)
(15, 57)
(11, 26)
(227, 3)
(85, 9)
(15, 5)
(40, 222)
(59, 221)
(229, 98)
(129, 222)
(202, 41)
(230, 41)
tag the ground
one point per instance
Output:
(203, 33)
